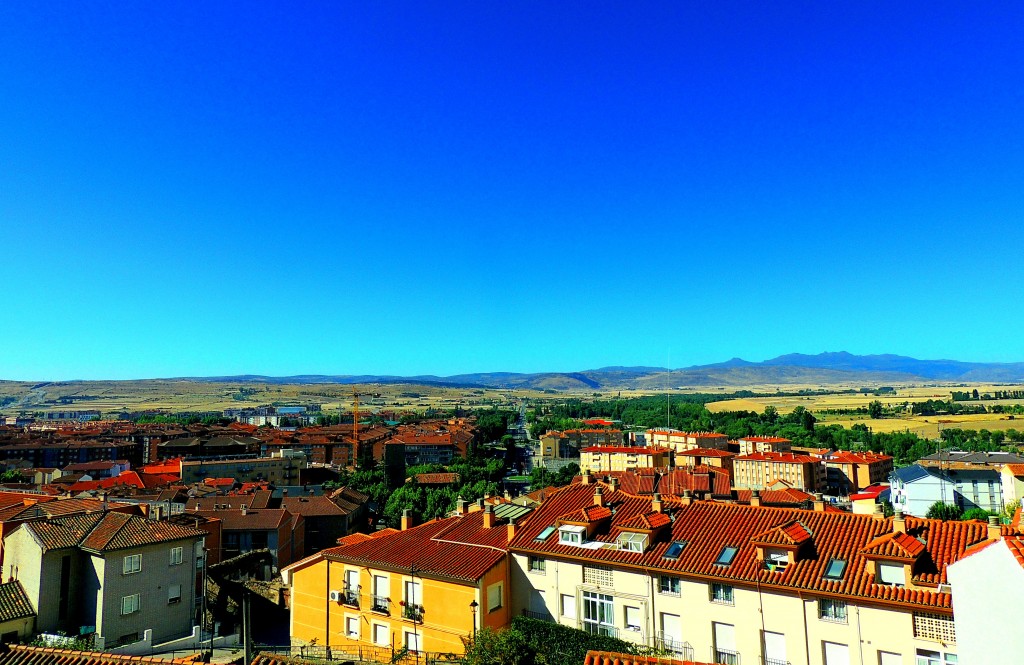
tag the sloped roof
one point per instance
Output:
(775, 497)
(710, 526)
(20, 654)
(263, 519)
(894, 546)
(311, 506)
(457, 548)
(789, 534)
(14, 602)
(117, 531)
(647, 521)
(437, 478)
(612, 658)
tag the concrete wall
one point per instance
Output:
(987, 591)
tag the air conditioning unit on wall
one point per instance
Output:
(336, 596)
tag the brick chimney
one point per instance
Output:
(819, 502)
(613, 482)
(899, 525)
(511, 529)
(755, 498)
(406, 519)
(488, 516)
(687, 498)
(587, 478)
(879, 513)
(460, 506)
(656, 502)
(995, 527)
(598, 496)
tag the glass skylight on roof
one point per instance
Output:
(726, 556)
(548, 530)
(675, 549)
(835, 569)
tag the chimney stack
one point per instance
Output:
(613, 482)
(406, 519)
(511, 529)
(819, 502)
(460, 506)
(995, 527)
(755, 498)
(598, 496)
(587, 478)
(488, 516)
(656, 502)
(687, 498)
(245, 509)
(899, 525)
(879, 513)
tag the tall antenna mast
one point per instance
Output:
(668, 393)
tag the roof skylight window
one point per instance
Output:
(674, 550)
(548, 530)
(835, 569)
(726, 556)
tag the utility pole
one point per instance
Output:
(246, 625)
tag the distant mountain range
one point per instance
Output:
(794, 368)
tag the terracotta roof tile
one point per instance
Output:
(612, 658)
(14, 602)
(894, 546)
(20, 654)
(709, 526)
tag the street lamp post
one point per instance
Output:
(472, 607)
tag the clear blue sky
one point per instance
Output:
(392, 187)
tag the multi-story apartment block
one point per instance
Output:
(764, 444)
(849, 472)
(424, 588)
(597, 459)
(705, 456)
(113, 573)
(680, 441)
(758, 470)
(727, 583)
(281, 469)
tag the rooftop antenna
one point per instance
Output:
(668, 393)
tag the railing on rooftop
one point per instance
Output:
(412, 611)
(774, 661)
(351, 598)
(725, 656)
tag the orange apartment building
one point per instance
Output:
(849, 472)
(705, 456)
(680, 441)
(764, 444)
(597, 459)
(758, 470)
(424, 588)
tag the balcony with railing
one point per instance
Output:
(412, 612)
(351, 598)
(667, 644)
(725, 657)
(774, 661)
(380, 604)
(600, 629)
(543, 616)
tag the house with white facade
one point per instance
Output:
(914, 489)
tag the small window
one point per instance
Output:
(494, 596)
(776, 560)
(835, 569)
(352, 627)
(726, 556)
(669, 585)
(832, 610)
(545, 534)
(130, 604)
(674, 550)
(568, 606)
(571, 535)
(176, 553)
(538, 565)
(633, 542)
(722, 594)
(632, 618)
(380, 634)
(174, 594)
(132, 564)
(890, 573)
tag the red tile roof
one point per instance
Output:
(778, 458)
(894, 546)
(20, 654)
(647, 521)
(612, 658)
(765, 439)
(787, 497)
(790, 534)
(1015, 469)
(311, 506)
(263, 519)
(645, 450)
(710, 526)
(437, 478)
(850, 457)
(457, 548)
(705, 452)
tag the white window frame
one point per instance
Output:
(721, 593)
(833, 610)
(675, 585)
(377, 627)
(416, 643)
(537, 565)
(349, 633)
(567, 605)
(131, 564)
(177, 556)
(130, 604)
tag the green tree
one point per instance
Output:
(506, 647)
(977, 514)
(770, 415)
(947, 512)
(875, 409)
